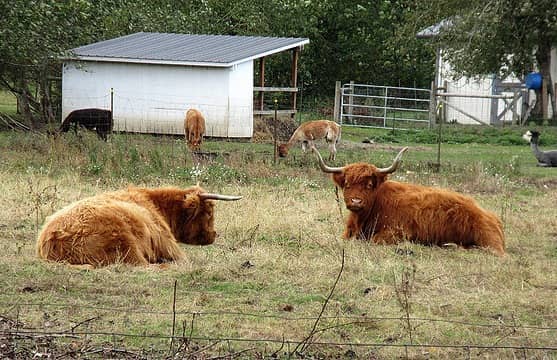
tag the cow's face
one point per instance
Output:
(194, 145)
(283, 150)
(359, 183)
(197, 221)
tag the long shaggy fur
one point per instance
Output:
(388, 212)
(194, 128)
(136, 226)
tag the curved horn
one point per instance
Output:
(395, 164)
(324, 167)
(209, 196)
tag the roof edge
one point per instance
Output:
(146, 61)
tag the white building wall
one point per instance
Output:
(154, 98)
(240, 88)
(480, 108)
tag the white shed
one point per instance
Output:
(149, 80)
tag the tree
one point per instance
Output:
(356, 40)
(496, 36)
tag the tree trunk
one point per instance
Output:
(24, 108)
(47, 114)
(543, 57)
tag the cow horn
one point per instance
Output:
(209, 196)
(324, 167)
(395, 164)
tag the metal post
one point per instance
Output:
(385, 109)
(351, 102)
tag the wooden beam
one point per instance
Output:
(272, 112)
(261, 81)
(294, 74)
(274, 89)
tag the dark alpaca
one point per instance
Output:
(545, 158)
(99, 120)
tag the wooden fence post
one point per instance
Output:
(338, 100)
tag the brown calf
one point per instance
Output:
(310, 131)
(194, 128)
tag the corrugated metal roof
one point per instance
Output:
(185, 49)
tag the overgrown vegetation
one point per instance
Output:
(268, 284)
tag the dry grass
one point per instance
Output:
(273, 267)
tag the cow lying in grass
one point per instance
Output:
(136, 226)
(388, 212)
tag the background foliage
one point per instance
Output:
(365, 41)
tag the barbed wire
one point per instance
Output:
(269, 340)
(278, 317)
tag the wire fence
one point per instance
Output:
(185, 338)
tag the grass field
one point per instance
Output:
(267, 287)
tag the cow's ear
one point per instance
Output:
(338, 178)
(191, 201)
(377, 179)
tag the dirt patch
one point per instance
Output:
(264, 129)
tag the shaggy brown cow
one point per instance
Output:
(194, 128)
(388, 212)
(136, 226)
(314, 130)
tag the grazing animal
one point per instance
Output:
(388, 212)
(137, 226)
(99, 120)
(194, 128)
(545, 158)
(314, 130)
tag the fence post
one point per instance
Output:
(351, 102)
(494, 108)
(386, 102)
(275, 132)
(111, 109)
(336, 110)
(432, 104)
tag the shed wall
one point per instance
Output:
(154, 98)
(480, 108)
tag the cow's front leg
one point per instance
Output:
(387, 237)
(352, 228)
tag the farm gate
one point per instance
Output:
(483, 101)
(386, 107)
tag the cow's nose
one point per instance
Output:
(356, 201)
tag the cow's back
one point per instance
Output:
(194, 127)
(104, 230)
(436, 216)
(315, 130)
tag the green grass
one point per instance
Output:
(7, 103)
(287, 228)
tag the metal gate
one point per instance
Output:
(382, 106)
